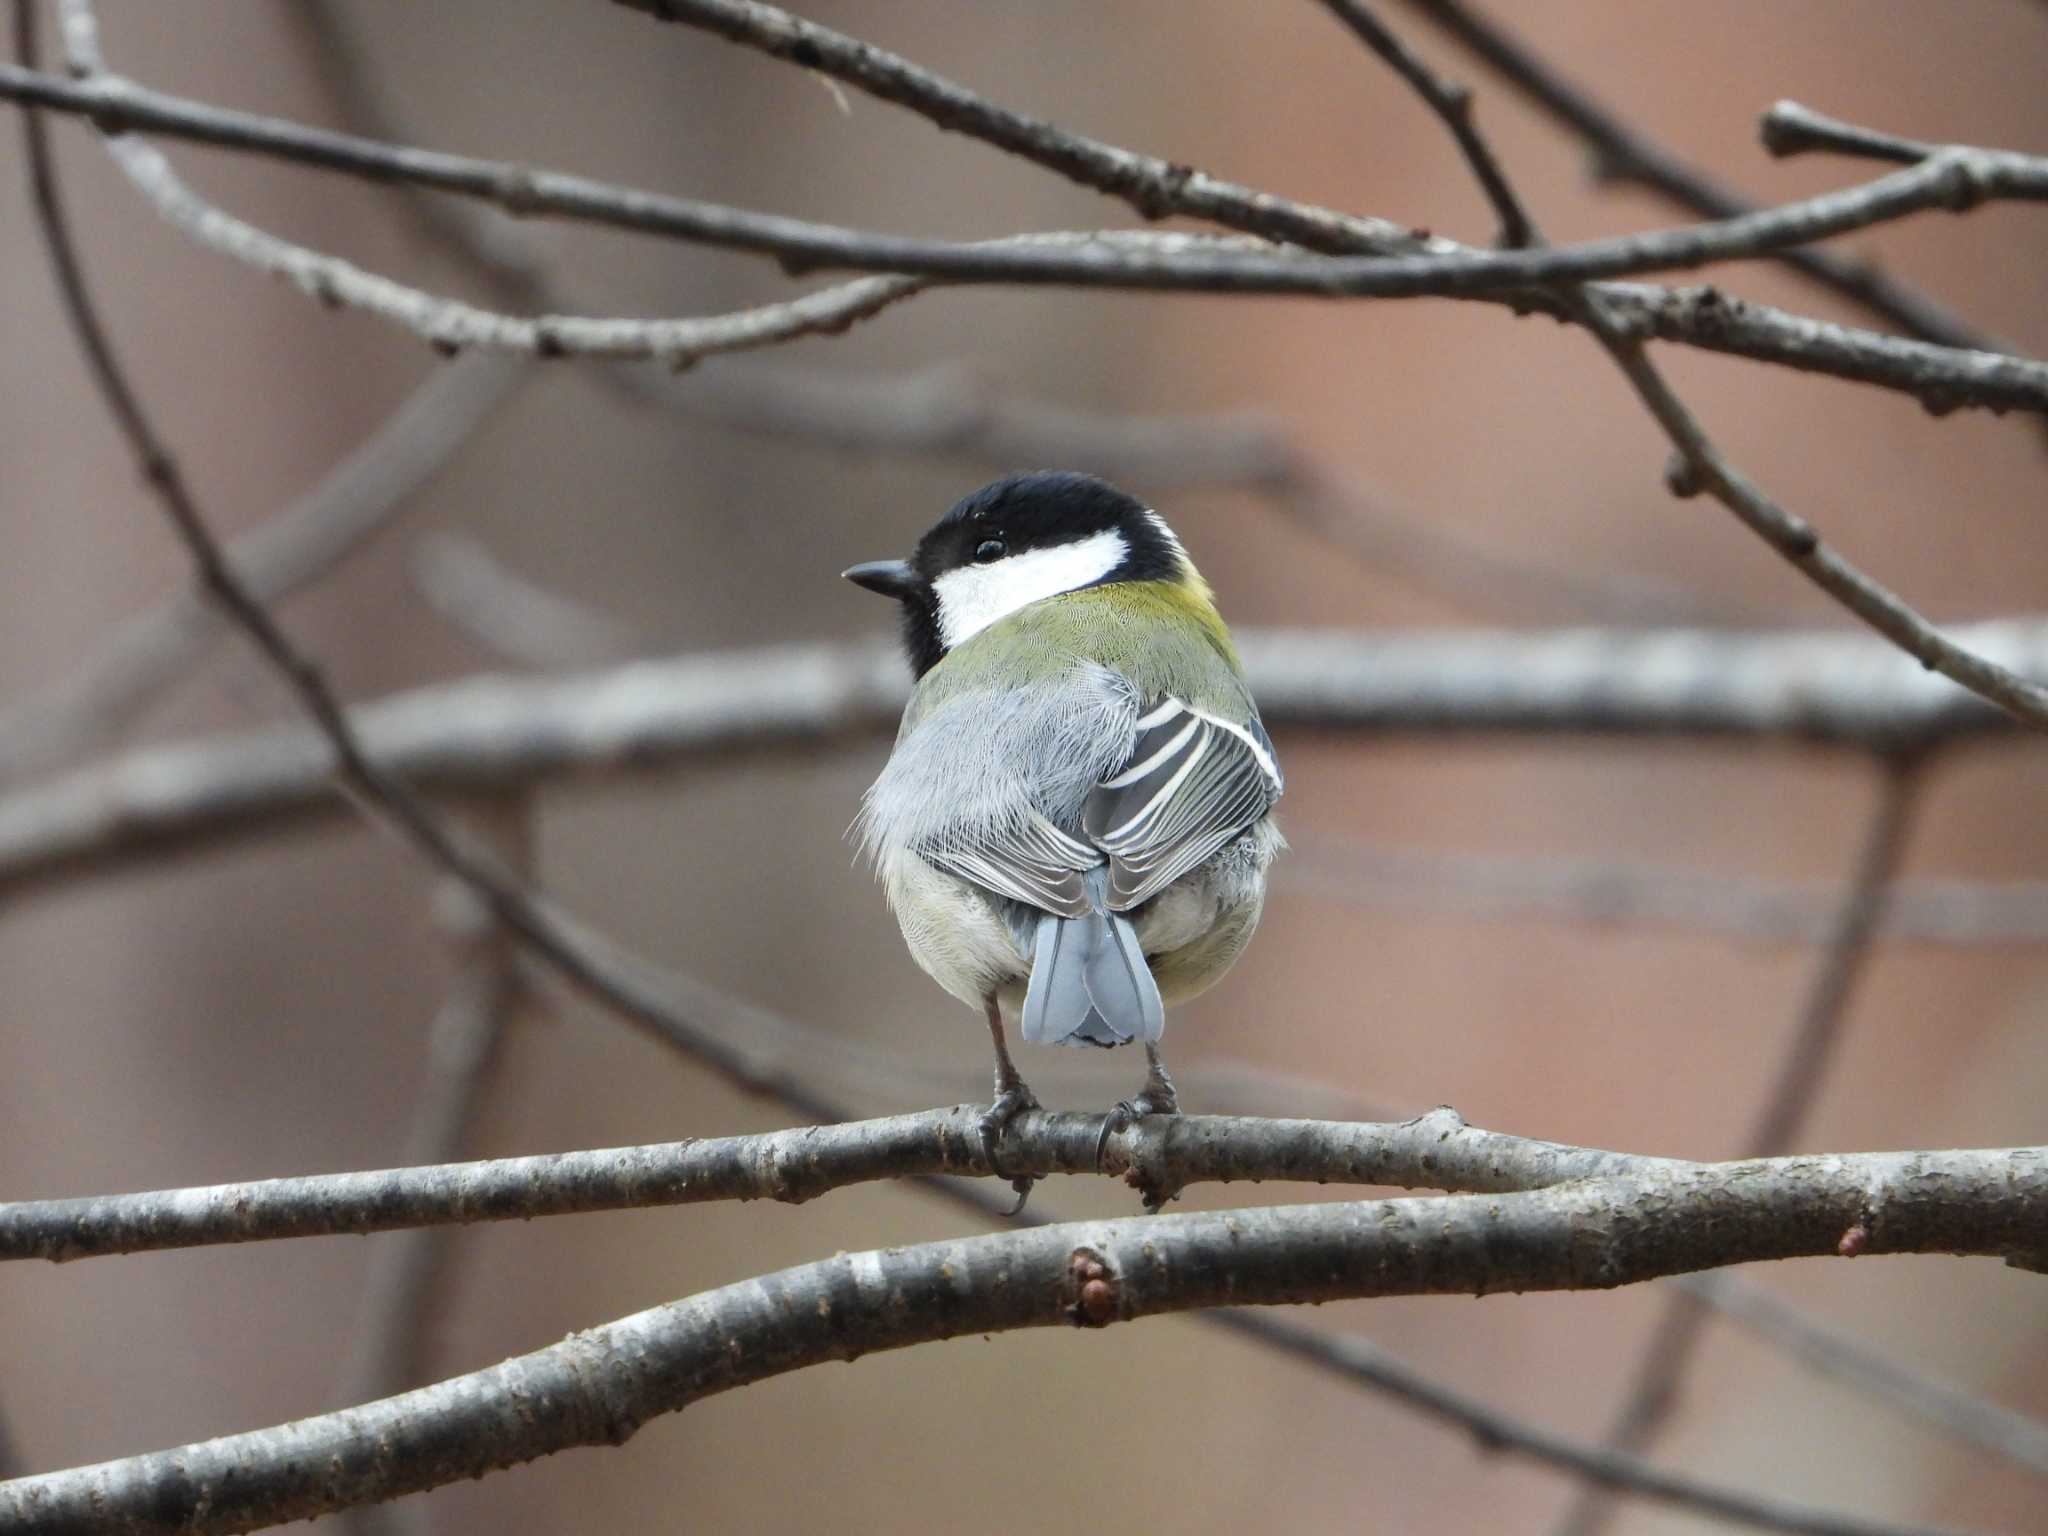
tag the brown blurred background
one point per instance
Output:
(265, 1011)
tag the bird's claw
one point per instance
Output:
(1011, 1102)
(1157, 1099)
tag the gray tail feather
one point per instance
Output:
(1090, 984)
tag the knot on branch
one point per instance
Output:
(517, 191)
(1963, 180)
(1682, 477)
(1092, 1292)
(547, 336)
(1159, 197)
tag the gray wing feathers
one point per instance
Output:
(1028, 860)
(1193, 783)
(1090, 984)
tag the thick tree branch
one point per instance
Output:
(1436, 1151)
(490, 733)
(600, 1386)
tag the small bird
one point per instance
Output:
(1075, 825)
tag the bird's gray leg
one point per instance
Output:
(1013, 1097)
(1155, 1098)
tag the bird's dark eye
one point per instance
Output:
(990, 549)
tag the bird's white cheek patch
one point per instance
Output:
(975, 596)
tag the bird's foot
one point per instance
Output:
(1156, 1098)
(1012, 1099)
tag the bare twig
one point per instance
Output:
(452, 326)
(599, 1386)
(1623, 154)
(1441, 268)
(1790, 129)
(1451, 101)
(1700, 466)
(1969, 1418)
(1654, 1386)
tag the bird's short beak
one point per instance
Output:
(891, 578)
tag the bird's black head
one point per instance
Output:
(1020, 539)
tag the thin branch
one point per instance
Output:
(1603, 893)
(1969, 1418)
(601, 1385)
(1711, 319)
(1451, 101)
(1700, 466)
(1790, 129)
(1624, 154)
(450, 325)
(1436, 1151)
(486, 734)
(1956, 178)
(1653, 1389)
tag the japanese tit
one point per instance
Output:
(1075, 825)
